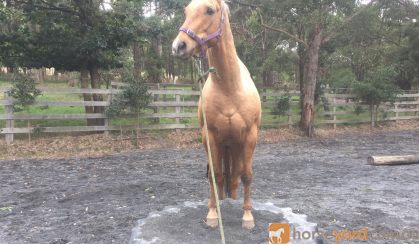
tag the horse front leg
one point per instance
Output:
(247, 177)
(216, 153)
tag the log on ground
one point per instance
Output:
(393, 160)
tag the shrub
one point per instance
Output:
(377, 88)
(282, 106)
(134, 97)
(24, 92)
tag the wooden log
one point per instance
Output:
(393, 160)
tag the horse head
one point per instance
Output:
(201, 30)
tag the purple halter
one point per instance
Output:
(203, 40)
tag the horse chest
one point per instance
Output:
(231, 114)
(227, 121)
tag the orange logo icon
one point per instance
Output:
(279, 233)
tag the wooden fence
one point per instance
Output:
(174, 107)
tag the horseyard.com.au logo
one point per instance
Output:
(279, 233)
(282, 233)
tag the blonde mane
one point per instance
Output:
(226, 7)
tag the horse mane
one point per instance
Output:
(226, 7)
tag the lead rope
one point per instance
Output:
(202, 75)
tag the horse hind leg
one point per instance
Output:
(236, 171)
(227, 165)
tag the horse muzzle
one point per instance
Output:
(182, 49)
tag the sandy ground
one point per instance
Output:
(107, 199)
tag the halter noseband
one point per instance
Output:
(202, 41)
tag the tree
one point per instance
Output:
(133, 98)
(134, 10)
(24, 92)
(377, 88)
(69, 35)
(312, 26)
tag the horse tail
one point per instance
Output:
(227, 165)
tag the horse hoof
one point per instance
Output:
(213, 223)
(248, 224)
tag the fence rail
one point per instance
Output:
(174, 107)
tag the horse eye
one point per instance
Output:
(210, 11)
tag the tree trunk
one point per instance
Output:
(43, 75)
(137, 54)
(158, 49)
(272, 78)
(11, 70)
(84, 83)
(159, 46)
(310, 79)
(171, 69)
(265, 76)
(95, 79)
(300, 76)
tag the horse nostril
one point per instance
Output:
(182, 46)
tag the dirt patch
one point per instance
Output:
(101, 200)
(95, 145)
(80, 146)
(366, 129)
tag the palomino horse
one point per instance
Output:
(232, 102)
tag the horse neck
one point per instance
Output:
(223, 58)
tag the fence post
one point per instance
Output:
(165, 95)
(334, 113)
(417, 105)
(396, 106)
(9, 122)
(157, 109)
(290, 112)
(108, 119)
(177, 108)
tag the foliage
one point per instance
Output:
(378, 87)
(357, 39)
(358, 109)
(407, 58)
(24, 92)
(340, 76)
(134, 97)
(63, 34)
(282, 105)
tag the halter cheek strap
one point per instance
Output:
(203, 40)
